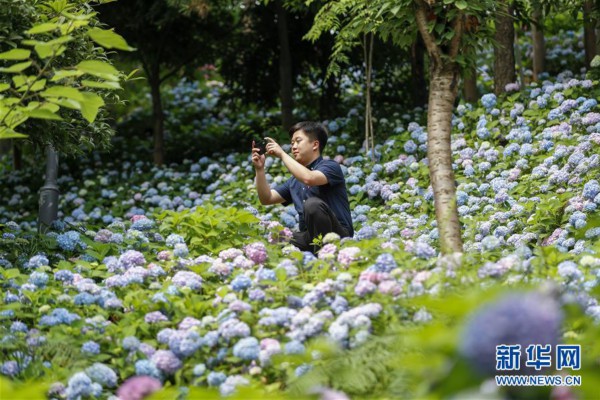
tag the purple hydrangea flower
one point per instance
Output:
(154, 317)
(257, 252)
(518, 318)
(166, 361)
(131, 258)
(187, 279)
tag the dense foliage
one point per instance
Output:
(146, 297)
(53, 70)
(174, 277)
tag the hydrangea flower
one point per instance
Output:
(166, 361)
(518, 318)
(187, 279)
(257, 252)
(247, 348)
(138, 387)
(102, 374)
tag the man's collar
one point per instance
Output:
(313, 164)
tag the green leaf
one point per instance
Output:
(16, 68)
(15, 54)
(101, 85)
(100, 69)
(45, 50)
(19, 80)
(36, 87)
(63, 91)
(461, 4)
(90, 106)
(67, 103)
(109, 39)
(7, 133)
(42, 113)
(4, 86)
(42, 28)
(65, 73)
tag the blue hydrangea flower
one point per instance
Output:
(69, 241)
(488, 100)
(90, 347)
(241, 282)
(215, 378)
(247, 348)
(103, 375)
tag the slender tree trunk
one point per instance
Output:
(5, 147)
(368, 54)
(539, 45)
(158, 118)
(589, 32)
(17, 156)
(470, 92)
(49, 193)
(443, 89)
(329, 100)
(504, 52)
(519, 60)
(418, 84)
(285, 67)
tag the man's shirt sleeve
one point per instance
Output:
(332, 171)
(284, 191)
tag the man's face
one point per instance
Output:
(303, 150)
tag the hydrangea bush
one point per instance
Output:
(173, 277)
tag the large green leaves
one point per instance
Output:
(15, 54)
(100, 69)
(42, 83)
(109, 39)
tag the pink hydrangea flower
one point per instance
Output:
(138, 217)
(347, 255)
(164, 255)
(390, 287)
(138, 387)
(257, 252)
(327, 251)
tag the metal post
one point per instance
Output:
(48, 211)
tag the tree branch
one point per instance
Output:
(432, 48)
(458, 28)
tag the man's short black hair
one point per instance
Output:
(314, 131)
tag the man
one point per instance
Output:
(317, 187)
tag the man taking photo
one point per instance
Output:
(317, 187)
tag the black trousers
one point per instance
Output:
(319, 220)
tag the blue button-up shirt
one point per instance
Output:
(333, 193)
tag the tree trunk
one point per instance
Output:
(158, 118)
(443, 89)
(49, 193)
(329, 100)
(539, 46)
(589, 32)
(470, 92)
(17, 156)
(5, 147)
(519, 60)
(504, 52)
(417, 65)
(285, 68)
(368, 55)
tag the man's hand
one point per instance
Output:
(257, 159)
(273, 148)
